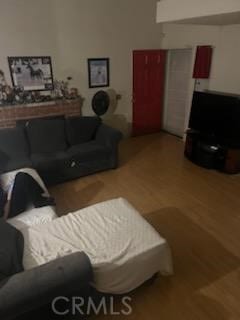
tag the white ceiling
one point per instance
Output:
(219, 20)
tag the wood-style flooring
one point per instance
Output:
(196, 210)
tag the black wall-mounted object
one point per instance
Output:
(100, 103)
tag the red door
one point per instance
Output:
(148, 90)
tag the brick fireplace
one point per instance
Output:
(9, 115)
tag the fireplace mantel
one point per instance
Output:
(9, 115)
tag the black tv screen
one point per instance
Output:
(216, 115)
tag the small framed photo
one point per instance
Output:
(98, 72)
(31, 73)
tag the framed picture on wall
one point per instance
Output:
(98, 72)
(31, 73)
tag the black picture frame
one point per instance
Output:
(32, 73)
(98, 72)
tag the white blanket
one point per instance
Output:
(7, 179)
(124, 249)
(32, 216)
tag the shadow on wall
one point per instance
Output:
(119, 122)
(111, 118)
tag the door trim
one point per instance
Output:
(190, 90)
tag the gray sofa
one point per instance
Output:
(60, 149)
(33, 289)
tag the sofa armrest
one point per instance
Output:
(108, 136)
(37, 287)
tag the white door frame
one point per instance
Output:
(190, 90)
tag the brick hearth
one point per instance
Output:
(9, 115)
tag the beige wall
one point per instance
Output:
(226, 72)
(74, 30)
(173, 10)
(225, 75)
(106, 28)
(26, 28)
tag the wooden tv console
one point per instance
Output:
(212, 155)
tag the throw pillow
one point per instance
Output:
(4, 158)
(81, 129)
(46, 135)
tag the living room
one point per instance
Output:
(126, 220)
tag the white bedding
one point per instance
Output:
(33, 217)
(124, 249)
(8, 178)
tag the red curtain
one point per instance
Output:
(203, 62)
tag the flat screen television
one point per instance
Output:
(216, 115)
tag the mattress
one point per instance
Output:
(124, 249)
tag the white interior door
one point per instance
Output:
(178, 79)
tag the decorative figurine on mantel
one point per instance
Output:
(74, 93)
(2, 78)
(9, 95)
(6, 92)
(2, 85)
(19, 95)
(57, 90)
(62, 91)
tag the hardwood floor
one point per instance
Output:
(197, 210)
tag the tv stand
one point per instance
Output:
(205, 151)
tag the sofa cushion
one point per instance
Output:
(46, 135)
(18, 162)
(14, 150)
(11, 250)
(13, 141)
(50, 161)
(81, 129)
(4, 159)
(90, 151)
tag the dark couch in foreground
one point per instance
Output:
(60, 149)
(36, 288)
